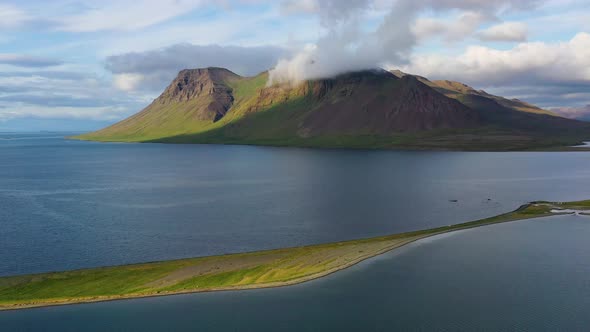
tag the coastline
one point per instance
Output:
(379, 147)
(221, 289)
(327, 259)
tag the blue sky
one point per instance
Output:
(80, 65)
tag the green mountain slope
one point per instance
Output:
(459, 91)
(368, 109)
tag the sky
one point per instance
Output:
(68, 65)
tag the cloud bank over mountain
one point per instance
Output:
(546, 73)
(574, 112)
(90, 58)
(345, 46)
(153, 70)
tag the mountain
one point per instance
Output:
(378, 103)
(578, 113)
(366, 109)
(195, 99)
(460, 91)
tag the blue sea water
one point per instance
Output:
(522, 276)
(69, 204)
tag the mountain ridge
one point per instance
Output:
(454, 89)
(577, 113)
(368, 109)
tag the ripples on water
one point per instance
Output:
(522, 276)
(70, 204)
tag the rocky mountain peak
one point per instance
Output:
(193, 83)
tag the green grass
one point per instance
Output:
(222, 279)
(578, 204)
(278, 125)
(235, 271)
(273, 117)
(481, 139)
(245, 88)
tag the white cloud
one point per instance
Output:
(574, 112)
(548, 74)
(551, 62)
(126, 14)
(21, 60)
(264, 27)
(507, 32)
(454, 30)
(88, 113)
(346, 46)
(127, 81)
(62, 94)
(11, 16)
(299, 6)
(153, 70)
(353, 35)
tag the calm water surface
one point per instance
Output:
(69, 204)
(521, 276)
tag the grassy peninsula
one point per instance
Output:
(271, 268)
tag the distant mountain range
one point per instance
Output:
(578, 113)
(366, 109)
